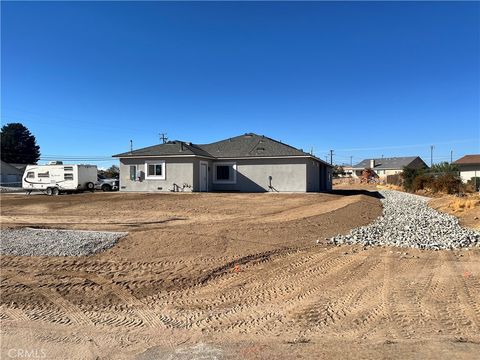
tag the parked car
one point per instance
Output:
(107, 184)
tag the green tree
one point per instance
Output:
(112, 172)
(18, 145)
(444, 168)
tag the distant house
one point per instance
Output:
(469, 166)
(388, 166)
(246, 163)
(10, 175)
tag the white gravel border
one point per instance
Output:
(408, 221)
(53, 242)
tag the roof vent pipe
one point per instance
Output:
(372, 163)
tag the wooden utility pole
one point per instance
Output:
(331, 157)
(431, 155)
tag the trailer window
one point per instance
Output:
(133, 172)
(44, 175)
(68, 168)
(68, 176)
(30, 175)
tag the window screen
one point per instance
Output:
(155, 170)
(223, 172)
(30, 175)
(68, 176)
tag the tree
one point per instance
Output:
(112, 172)
(18, 145)
(444, 168)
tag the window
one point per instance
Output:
(30, 175)
(225, 173)
(155, 170)
(67, 176)
(44, 175)
(133, 172)
(68, 168)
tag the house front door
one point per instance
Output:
(203, 176)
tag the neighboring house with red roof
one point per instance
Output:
(469, 166)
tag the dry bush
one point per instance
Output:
(459, 205)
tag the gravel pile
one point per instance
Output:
(408, 221)
(47, 242)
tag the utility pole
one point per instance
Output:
(451, 156)
(331, 157)
(163, 137)
(131, 146)
(431, 155)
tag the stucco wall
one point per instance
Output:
(253, 176)
(469, 171)
(177, 171)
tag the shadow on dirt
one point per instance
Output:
(350, 192)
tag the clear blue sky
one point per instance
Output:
(364, 79)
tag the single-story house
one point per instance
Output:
(245, 163)
(388, 166)
(10, 175)
(469, 166)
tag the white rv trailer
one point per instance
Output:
(56, 178)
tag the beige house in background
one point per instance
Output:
(388, 166)
(469, 166)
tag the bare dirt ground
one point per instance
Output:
(233, 276)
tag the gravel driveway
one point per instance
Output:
(51, 242)
(408, 221)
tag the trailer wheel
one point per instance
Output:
(55, 191)
(91, 186)
(49, 191)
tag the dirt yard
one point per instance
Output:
(233, 276)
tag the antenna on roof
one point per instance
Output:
(163, 137)
(131, 146)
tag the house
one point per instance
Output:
(388, 166)
(10, 175)
(469, 166)
(245, 163)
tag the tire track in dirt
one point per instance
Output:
(467, 312)
(67, 309)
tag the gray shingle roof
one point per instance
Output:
(387, 163)
(170, 148)
(248, 145)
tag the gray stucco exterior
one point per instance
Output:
(246, 163)
(178, 173)
(252, 175)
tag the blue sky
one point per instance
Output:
(363, 79)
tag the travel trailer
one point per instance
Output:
(56, 178)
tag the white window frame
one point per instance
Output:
(155, 177)
(229, 163)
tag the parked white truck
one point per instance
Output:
(56, 178)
